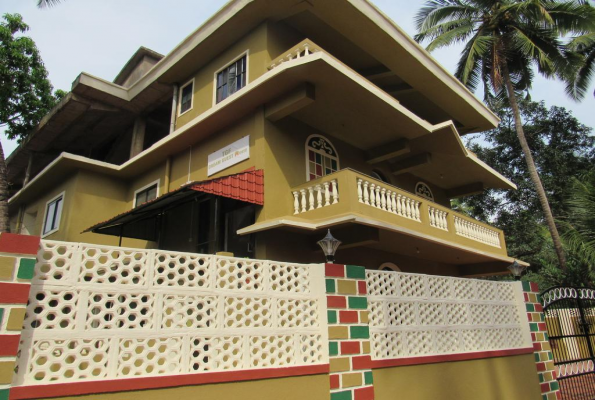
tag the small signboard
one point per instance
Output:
(230, 155)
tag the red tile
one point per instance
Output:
(350, 348)
(348, 317)
(19, 244)
(537, 346)
(540, 366)
(336, 301)
(334, 270)
(14, 293)
(542, 326)
(538, 307)
(366, 393)
(534, 287)
(362, 288)
(545, 387)
(335, 381)
(361, 362)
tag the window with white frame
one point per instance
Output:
(53, 212)
(186, 97)
(231, 79)
(146, 193)
(322, 158)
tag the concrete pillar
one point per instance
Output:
(138, 136)
(349, 333)
(544, 359)
(17, 266)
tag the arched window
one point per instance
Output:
(423, 190)
(322, 158)
(388, 266)
(380, 176)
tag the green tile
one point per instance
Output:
(550, 356)
(541, 378)
(536, 357)
(1, 315)
(330, 286)
(355, 272)
(526, 286)
(544, 396)
(368, 378)
(546, 336)
(530, 307)
(555, 385)
(359, 332)
(358, 302)
(539, 300)
(331, 317)
(333, 348)
(4, 394)
(26, 268)
(345, 395)
(534, 327)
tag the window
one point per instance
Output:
(380, 176)
(322, 157)
(388, 266)
(146, 193)
(53, 211)
(231, 79)
(423, 190)
(186, 94)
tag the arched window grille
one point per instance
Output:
(321, 157)
(423, 190)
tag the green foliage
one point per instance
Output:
(579, 226)
(581, 76)
(25, 92)
(47, 3)
(562, 148)
(506, 34)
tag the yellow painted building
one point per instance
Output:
(356, 132)
(268, 125)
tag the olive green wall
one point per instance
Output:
(502, 378)
(314, 387)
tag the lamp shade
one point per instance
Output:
(516, 269)
(329, 246)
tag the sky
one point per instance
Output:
(100, 36)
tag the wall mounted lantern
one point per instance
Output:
(329, 246)
(516, 269)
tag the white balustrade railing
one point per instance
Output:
(303, 49)
(385, 197)
(318, 195)
(477, 232)
(99, 312)
(438, 218)
(414, 315)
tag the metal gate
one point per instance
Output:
(570, 320)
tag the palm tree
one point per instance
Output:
(47, 3)
(504, 40)
(580, 225)
(579, 79)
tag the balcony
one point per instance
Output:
(349, 192)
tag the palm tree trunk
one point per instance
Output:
(549, 218)
(4, 221)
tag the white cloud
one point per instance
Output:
(100, 36)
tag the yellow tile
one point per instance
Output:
(346, 287)
(339, 364)
(338, 332)
(366, 347)
(15, 319)
(547, 377)
(546, 346)
(7, 268)
(549, 365)
(551, 396)
(351, 380)
(363, 317)
(6, 372)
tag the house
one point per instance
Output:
(356, 132)
(179, 208)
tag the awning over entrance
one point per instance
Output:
(142, 221)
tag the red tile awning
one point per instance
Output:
(247, 186)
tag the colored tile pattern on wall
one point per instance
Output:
(349, 333)
(17, 265)
(550, 389)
